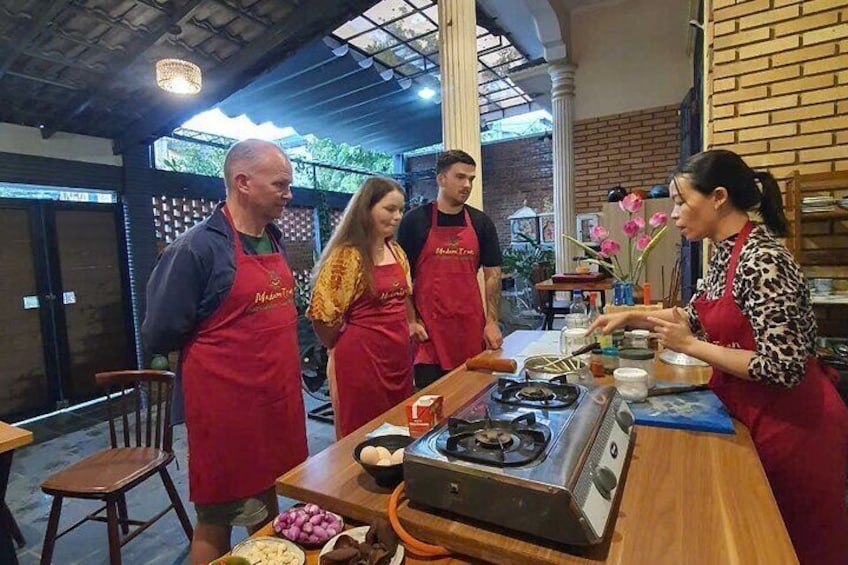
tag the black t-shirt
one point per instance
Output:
(415, 226)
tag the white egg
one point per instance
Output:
(384, 463)
(370, 454)
(397, 456)
(383, 453)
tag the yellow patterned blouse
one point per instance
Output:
(340, 283)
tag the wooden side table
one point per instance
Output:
(549, 286)
(11, 438)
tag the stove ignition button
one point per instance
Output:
(605, 480)
(624, 419)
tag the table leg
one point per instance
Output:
(549, 313)
(7, 546)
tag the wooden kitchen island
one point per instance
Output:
(689, 497)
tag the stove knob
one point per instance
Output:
(605, 480)
(624, 418)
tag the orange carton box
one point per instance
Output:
(423, 414)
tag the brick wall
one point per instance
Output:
(778, 84)
(635, 149)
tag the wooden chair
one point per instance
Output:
(141, 402)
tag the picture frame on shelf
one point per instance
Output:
(547, 231)
(527, 226)
(585, 223)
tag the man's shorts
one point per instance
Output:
(248, 511)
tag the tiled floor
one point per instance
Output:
(65, 438)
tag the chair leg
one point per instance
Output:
(114, 536)
(122, 514)
(177, 502)
(9, 521)
(52, 530)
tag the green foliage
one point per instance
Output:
(325, 229)
(188, 157)
(344, 155)
(191, 157)
(523, 262)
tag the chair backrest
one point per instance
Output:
(141, 402)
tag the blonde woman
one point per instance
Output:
(360, 307)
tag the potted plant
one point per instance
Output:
(529, 264)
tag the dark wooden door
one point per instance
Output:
(66, 260)
(23, 371)
(92, 298)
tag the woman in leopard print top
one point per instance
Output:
(753, 323)
(771, 291)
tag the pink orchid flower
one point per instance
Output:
(631, 203)
(640, 221)
(610, 247)
(643, 242)
(598, 233)
(658, 219)
(631, 228)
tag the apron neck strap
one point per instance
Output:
(236, 237)
(434, 215)
(734, 255)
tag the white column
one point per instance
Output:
(562, 110)
(458, 64)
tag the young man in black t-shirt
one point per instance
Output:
(450, 321)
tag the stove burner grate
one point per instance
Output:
(553, 394)
(504, 443)
(536, 393)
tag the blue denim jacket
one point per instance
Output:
(192, 277)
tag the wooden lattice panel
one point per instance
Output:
(335, 217)
(173, 216)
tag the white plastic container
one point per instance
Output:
(632, 383)
(639, 339)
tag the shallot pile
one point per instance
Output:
(307, 524)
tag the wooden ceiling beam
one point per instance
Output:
(30, 32)
(237, 71)
(135, 50)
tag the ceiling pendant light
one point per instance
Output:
(178, 76)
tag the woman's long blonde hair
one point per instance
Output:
(354, 229)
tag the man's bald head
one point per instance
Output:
(246, 156)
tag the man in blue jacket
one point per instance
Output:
(223, 295)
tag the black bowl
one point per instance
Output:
(385, 476)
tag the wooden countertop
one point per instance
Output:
(12, 437)
(689, 497)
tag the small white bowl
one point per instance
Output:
(631, 383)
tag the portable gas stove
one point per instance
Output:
(544, 458)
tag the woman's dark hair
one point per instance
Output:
(708, 170)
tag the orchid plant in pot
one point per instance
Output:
(641, 238)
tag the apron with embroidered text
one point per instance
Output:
(447, 295)
(241, 377)
(801, 433)
(371, 358)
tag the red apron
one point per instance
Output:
(241, 377)
(801, 433)
(447, 296)
(373, 368)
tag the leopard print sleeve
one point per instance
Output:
(771, 291)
